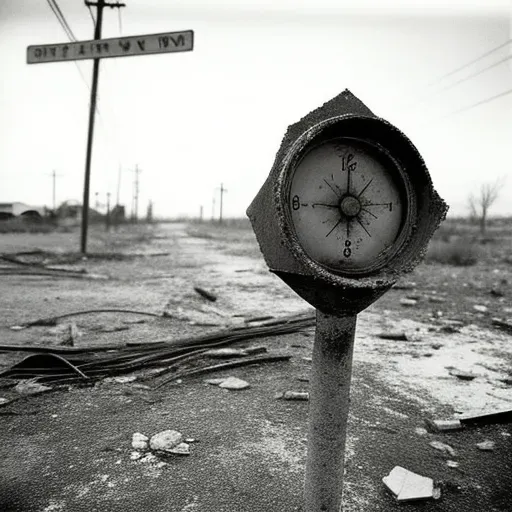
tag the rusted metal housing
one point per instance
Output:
(331, 292)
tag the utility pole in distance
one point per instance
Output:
(100, 5)
(135, 212)
(222, 190)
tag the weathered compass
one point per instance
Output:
(349, 204)
(348, 207)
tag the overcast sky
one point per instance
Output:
(193, 120)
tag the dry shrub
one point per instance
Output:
(461, 252)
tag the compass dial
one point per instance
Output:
(348, 205)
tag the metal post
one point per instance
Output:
(90, 136)
(53, 195)
(328, 411)
(107, 216)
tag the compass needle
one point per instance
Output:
(363, 226)
(365, 187)
(334, 227)
(329, 185)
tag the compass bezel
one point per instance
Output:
(376, 152)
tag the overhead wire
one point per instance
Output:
(61, 19)
(478, 103)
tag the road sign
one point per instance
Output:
(165, 42)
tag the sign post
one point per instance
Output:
(347, 209)
(167, 42)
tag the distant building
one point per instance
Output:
(19, 208)
(16, 209)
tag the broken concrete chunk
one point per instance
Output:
(140, 441)
(31, 387)
(135, 456)
(480, 309)
(452, 463)
(443, 447)
(408, 302)
(443, 425)
(398, 336)
(165, 440)
(462, 375)
(296, 395)
(234, 383)
(486, 446)
(181, 449)
(409, 486)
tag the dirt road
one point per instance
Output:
(70, 450)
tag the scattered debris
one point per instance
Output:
(443, 425)
(436, 346)
(166, 440)
(181, 449)
(68, 334)
(207, 295)
(404, 285)
(136, 455)
(409, 486)
(435, 299)
(4, 401)
(234, 383)
(140, 441)
(398, 336)
(462, 375)
(480, 308)
(221, 353)
(421, 431)
(452, 463)
(125, 379)
(408, 302)
(486, 446)
(504, 325)
(31, 387)
(294, 395)
(112, 328)
(52, 320)
(443, 447)
(450, 329)
(504, 416)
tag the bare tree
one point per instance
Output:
(480, 204)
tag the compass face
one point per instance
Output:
(348, 205)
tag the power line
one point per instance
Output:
(92, 15)
(476, 73)
(482, 102)
(61, 19)
(120, 22)
(460, 68)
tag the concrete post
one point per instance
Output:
(328, 411)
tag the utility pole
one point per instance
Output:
(118, 185)
(135, 213)
(100, 5)
(107, 217)
(213, 208)
(54, 176)
(222, 190)
(201, 213)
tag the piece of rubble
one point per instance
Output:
(408, 302)
(504, 325)
(443, 425)
(149, 458)
(398, 336)
(221, 353)
(4, 400)
(30, 387)
(503, 416)
(166, 440)
(215, 382)
(409, 486)
(404, 285)
(463, 375)
(443, 447)
(435, 299)
(125, 379)
(180, 449)
(206, 294)
(486, 446)
(234, 383)
(421, 431)
(295, 395)
(140, 441)
(480, 308)
(452, 463)
(136, 455)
